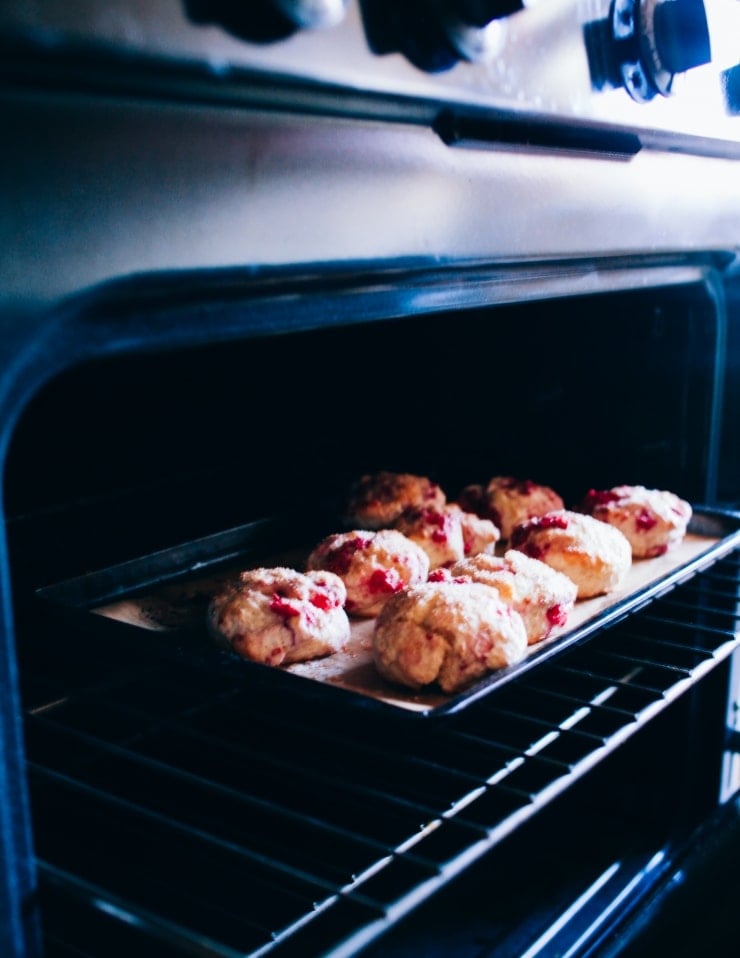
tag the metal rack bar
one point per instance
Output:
(409, 810)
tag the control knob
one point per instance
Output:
(263, 21)
(474, 26)
(435, 35)
(656, 39)
(479, 13)
(312, 14)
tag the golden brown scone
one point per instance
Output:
(446, 632)
(438, 532)
(542, 596)
(510, 501)
(653, 520)
(479, 534)
(372, 564)
(596, 556)
(473, 499)
(377, 500)
(278, 615)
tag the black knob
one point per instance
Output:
(479, 13)
(435, 35)
(474, 27)
(412, 28)
(681, 34)
(265, 21)
(310, 14)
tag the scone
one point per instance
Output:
(372, 564)
(479, 534)
(508, 501)
(542, 596)
(446, 632)
(377, 500)
(278, 615)
(653, 520)
(596, 556)
(438, 532)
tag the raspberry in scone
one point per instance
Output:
(278, 615)
(372, 564)
(653, 520)
(596, 556)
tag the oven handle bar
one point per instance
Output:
(490, 132)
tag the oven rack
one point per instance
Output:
(177, 814)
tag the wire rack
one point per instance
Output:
(176, 814)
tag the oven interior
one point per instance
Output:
(169, 445)
(182, 809)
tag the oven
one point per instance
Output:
(252, 252)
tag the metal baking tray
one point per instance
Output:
(162, 598)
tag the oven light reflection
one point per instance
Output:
(510, 766)
(115, 911)
(375, 867)
(461, 803)
(588, 895)
(578, 716)
(577, 905)
(501, 774)
(657, 858)
(543, 742)
(47, 706)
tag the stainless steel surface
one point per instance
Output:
(108, 172)
(536, 60)
(93, 189)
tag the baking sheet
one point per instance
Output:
(176, 603)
